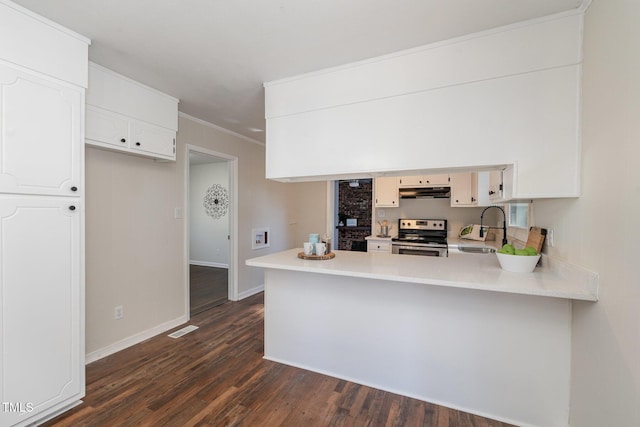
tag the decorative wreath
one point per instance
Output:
(216, 201)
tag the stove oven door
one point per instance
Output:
(422, 250)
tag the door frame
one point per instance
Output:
(232, 164)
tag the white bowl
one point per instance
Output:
(517, 263)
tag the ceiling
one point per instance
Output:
(214, 55)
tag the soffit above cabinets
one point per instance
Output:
(214, 56)
(509, 95)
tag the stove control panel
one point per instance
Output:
(422, 224)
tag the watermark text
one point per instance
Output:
(20, 407)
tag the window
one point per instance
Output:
(519, 215)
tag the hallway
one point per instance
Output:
(207, 287)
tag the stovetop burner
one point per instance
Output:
(423, 231)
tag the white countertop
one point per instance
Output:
(459, 270)
(375, 237)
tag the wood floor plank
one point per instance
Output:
(208, 287)
(216, 376)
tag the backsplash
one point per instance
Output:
(439, 209)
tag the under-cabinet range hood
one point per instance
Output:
(425, 193)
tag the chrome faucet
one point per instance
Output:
(504, 223)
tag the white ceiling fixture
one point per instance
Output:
(214, 55)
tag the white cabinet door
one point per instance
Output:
(464, 189)
(438, 179)
(411, 181)
(495, 186)
(106, 127)
(41, 307)
(40, 135)
(152, 139)
(386, 192)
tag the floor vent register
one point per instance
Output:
(184, 331)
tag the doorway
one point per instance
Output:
(353, 206)
(210, 229)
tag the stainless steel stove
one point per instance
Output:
(426, 237)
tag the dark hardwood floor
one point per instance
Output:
(215, 376)
(208, 287)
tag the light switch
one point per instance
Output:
(177, 213)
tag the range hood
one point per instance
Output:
(425, 193)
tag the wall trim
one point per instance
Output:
(250, 292)
(220, 128)
(134, 339)
(209, 264)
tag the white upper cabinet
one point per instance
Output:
(481, 188)
(112, 130)
(424, 180)
(127, 116)
(40, 142)
(386, 192)
(474, 102)
(464, 189)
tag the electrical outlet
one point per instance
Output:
(551, 238)
(118, 312)
(381, 213)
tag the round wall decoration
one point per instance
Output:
(216, 201)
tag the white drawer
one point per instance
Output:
(374, 246)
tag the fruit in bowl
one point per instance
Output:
(518, 260)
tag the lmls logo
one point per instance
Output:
(21, 407)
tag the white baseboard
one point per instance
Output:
(247, 294)
(209, 264)
(134, 339)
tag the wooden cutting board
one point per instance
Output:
(536, 237)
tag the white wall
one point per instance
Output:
(309, 212)
(135, 247)
(208, 243)
(600, 230)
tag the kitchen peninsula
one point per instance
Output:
(456, 331)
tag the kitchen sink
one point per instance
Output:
(476, 249)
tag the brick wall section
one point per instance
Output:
(356, 202)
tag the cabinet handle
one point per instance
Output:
(74, 188)
(123, 140)
(491, 193)
(72, 208)
(137, 144)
